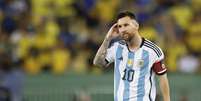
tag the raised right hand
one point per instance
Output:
(113, 32)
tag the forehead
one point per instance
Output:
(124, 20)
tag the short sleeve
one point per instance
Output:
(159, 66)
(159, 55)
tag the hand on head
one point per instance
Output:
(113, 32)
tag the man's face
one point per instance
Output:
(127, 28)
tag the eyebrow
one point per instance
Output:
(123, 24)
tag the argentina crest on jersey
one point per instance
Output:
(140, 63)
(130, 63)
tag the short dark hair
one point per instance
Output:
(125, 14)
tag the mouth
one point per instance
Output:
(125, 36)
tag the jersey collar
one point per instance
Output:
(142, 43)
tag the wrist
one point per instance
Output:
(108, 38)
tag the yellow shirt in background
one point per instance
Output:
(182, 15)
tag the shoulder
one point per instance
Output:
(152, 47)
(118, 43)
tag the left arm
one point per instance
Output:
(160, 69)
(164, 86)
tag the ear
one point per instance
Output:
(136, 24)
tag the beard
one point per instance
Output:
(127, 37)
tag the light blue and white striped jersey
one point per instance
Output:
(134, 77)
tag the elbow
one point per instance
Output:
(94, 62)
(98, 63)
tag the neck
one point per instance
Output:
(135, 42)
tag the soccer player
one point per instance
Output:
(136, 60)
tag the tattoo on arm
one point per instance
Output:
(101, 54)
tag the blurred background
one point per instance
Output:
(47, 47)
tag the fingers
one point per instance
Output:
(114, 25)
(113, 32)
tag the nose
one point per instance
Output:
(122, 30)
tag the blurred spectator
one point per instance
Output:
(188, 64)
(85, 9)
(14, 8)
(148, 31)
(13, 80)
(107, 9)
(182, 13)
(196, 5)
(79, 64)
(8, 25)
(144, 10)
(68, 38)
(11, 74)
(61, 59)
(194, 34)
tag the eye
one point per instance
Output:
(119, 26)
(126, 25)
